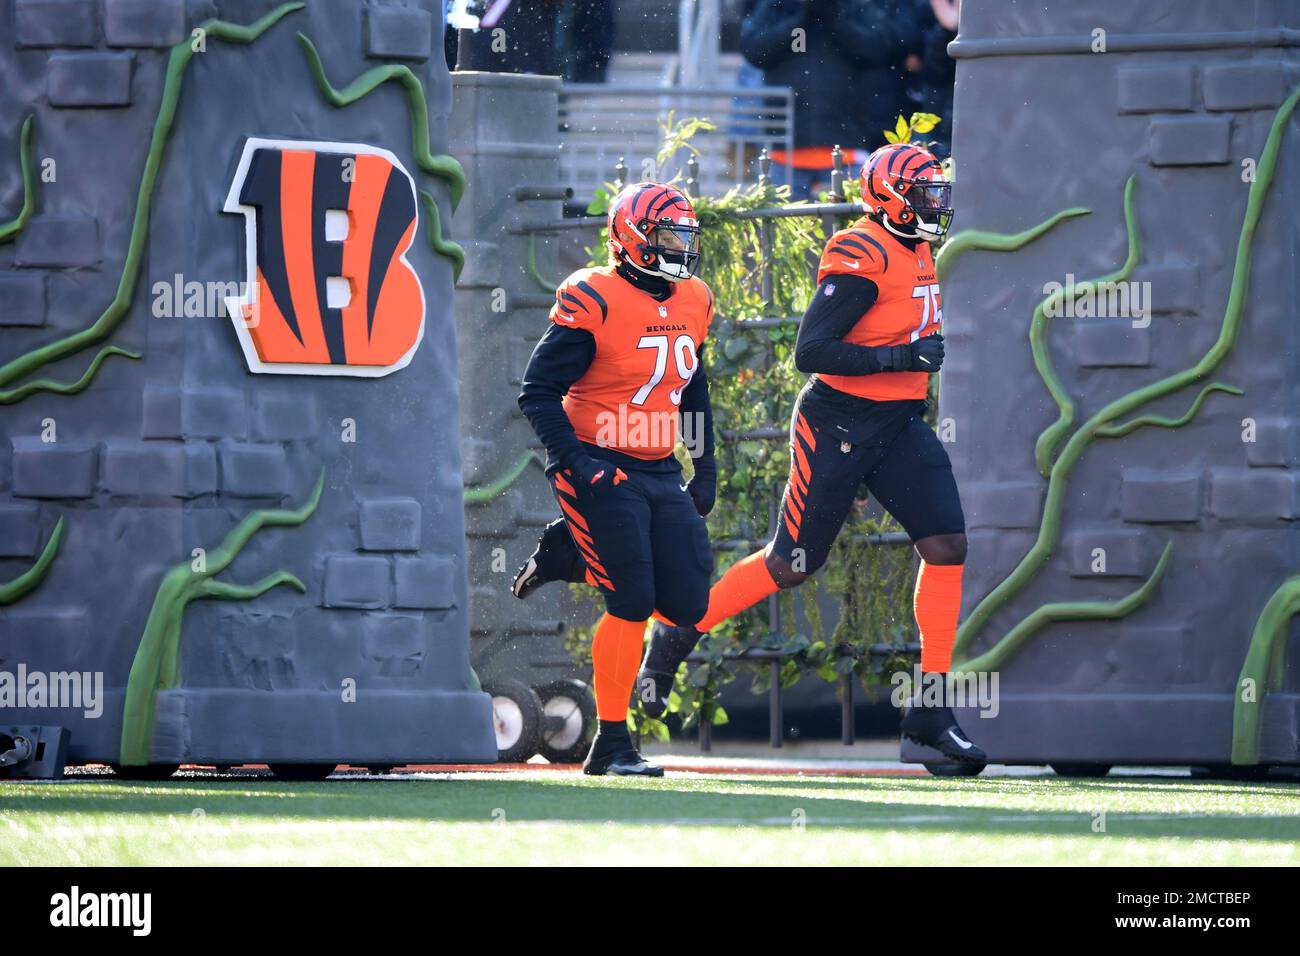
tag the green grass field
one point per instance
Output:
(684, 819)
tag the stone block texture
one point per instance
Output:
(59, 242)
(399, 33)
(1189, 140)
(1156, 684)
(89, 79)
(22, 298)
(159, 457)
(1258, 84)
(144, 23)
(390, 524)
(55, 23)
(61, 469)
(1157, 89)
(357, 582)
(1157, 496)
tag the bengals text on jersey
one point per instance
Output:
(646, 354)
(907, 307)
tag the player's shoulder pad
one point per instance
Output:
(854, 251)
(582, 301)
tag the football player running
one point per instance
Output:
(870, 338)
(618, 367)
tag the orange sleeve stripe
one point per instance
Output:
(801, 427)
(572, 512)
(797, 481)
(589, 554)
(794, 528)
(805, 469)
(795, 511)
(796, 493)
(563, 484)
(581, 537)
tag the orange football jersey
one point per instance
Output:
(907, 307)
(646, 353)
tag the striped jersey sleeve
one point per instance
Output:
(578, 304)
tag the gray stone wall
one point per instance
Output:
(166, 454)
(1182, 95)
(505, 132)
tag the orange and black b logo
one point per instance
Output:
(329, 290)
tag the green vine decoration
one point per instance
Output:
(1160, 421)
(157, 664)
(1105, 424)
(498, 486)
(1053, 434)
(10, 229)
(11, 395)
(535, 273)
(971, 239)
(117, 310)
(442, 166)
(1015, 638)
(28, 581)
(443, 247)
(1263, 668)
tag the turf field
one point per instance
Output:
(556, 817)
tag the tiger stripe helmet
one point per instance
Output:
(652, 227)
(905, 186)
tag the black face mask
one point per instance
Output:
(677, 248)
(932, 203)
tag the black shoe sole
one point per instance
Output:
(613, 771)
(615, 765)
(970, 757)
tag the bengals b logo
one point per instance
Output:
(326, 230)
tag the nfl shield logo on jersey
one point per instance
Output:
(830, 288)
(663, 311)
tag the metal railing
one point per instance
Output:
(602, 122)
(829, 213)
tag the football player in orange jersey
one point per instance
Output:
(871, 337)
(606, 389)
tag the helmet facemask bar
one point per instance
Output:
(676, 246)
(931, 201)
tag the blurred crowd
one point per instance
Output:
(854, 65)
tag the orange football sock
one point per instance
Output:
(743, 585)
(937, 604)
(615, 657)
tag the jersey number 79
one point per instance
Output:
(683, 349)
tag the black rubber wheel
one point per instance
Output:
(945, 769)
(516, 717)
(306, 772)
(1080, 769)
(573, 702)
(153, 771)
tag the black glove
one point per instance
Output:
(923, 355)
(703, 487)
(595, 474)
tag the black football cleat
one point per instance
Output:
(669, 646)
(556, 558)
(615, 755)
(937, 728)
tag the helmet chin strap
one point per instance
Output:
(903, 232)
(656, 272)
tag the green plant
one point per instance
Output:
(905, 129)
